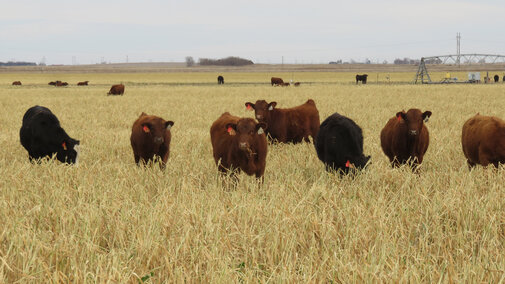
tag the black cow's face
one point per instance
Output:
(155, 127)
(414, 120)
(246, 130)
(68, 151)
(262, 109)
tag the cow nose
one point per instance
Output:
(158, 140)
(413, 132)
(258, 116)
(242, 145)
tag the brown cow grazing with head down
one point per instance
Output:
(17, 83)
(150, 139)
(297, 84)
(54, 83)
(289, 124)
(276, 81)
(285, 84)
(239, 144)
(483, 140)
(61, 84)
(85, 83)
(405, 138)
(116, 90)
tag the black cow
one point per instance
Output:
(42, 136)
(496, 78)
(339, 144)
(361, 78)
(220, 80)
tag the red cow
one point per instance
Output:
(276, 81)
(483, 140)
(289, 124)
(405, 138)
(17, 83)
(150, 138)
(85, 83)
(116, 90)
(239, 144)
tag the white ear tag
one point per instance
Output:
(260, 131)
(169, 126)
(270, 108)
(426, 119)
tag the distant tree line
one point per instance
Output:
(20, 63)
(228, 61)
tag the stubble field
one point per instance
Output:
(109, 220)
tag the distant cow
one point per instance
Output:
(17, 83)
(339, 144)
(483, 140)
(239, 144)
(220, 80)
(42, 136)
(285, 84)
(54, 83)
(297, 84)
(406, 137)
(85, 83)
(289, 124)
(61, 84)
(361, 78)
(496, 78)
(116, 90)
(150, 139)
(276, 81)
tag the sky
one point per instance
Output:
(264, 31)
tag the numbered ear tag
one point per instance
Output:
(426, 119)
(64, 145)
(146, 129)
(260, 131)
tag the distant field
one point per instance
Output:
(108, 220)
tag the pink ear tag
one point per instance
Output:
(146, 129)
(64, 145)
(399, 118)
(248, 107)
(229, 129)
(347, 164)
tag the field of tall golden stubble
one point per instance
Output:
(108, 220)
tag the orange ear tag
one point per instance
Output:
(229, 129)
(64, 145)
(347, 164)
(399, 118)
(248, 107)
(146, 129)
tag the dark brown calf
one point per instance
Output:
(116, 90)
(297, 84)
(85, 83)
(276, 81)
(17, 83)
(150, 138)
(239, 144)
(405, 138)
(483, 140)
(54, 83)
(289, 124)
(61, 84)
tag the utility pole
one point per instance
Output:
(458, 48)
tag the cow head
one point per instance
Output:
(262, 109)
(155, 127)
(246, 130)
(68, 151)
(414, 120)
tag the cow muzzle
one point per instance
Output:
(413, 132)
(243, 145)
(159, 140)
(259, 116)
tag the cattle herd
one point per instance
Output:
(240, 143)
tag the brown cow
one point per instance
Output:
(483, 140)
(290, 124)
(297, 84)
(60, 84)
(116, 90)
(285, 84)
(17, 83)
(276, 81)
(54, 83)
(85, 83)
(239, 144)
(405, 138)
(150, 139)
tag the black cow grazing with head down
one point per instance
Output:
(496, 78)
(42, 136)
(287, 124)
(220, 80)
(339, 144)
(361, 78)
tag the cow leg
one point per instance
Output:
(470, 164)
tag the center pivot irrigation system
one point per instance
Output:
(422, 73)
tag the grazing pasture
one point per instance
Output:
(110, 220)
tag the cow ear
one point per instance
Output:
(401, 114)
(169, 124)
(231, 128)
(143, 114)
(426, 115)
(260, 128)
(249, 106)
(272, 105)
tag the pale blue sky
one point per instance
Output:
(64, 31)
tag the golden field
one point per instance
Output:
(108, 220)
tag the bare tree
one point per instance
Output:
(190, 61)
